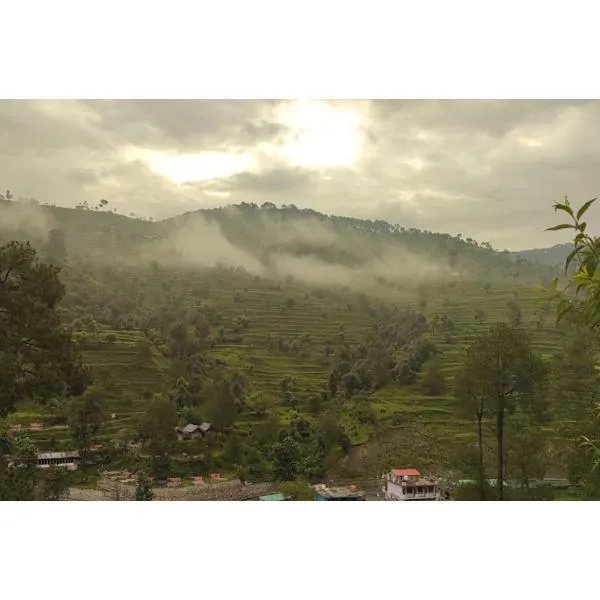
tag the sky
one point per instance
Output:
(490, 170)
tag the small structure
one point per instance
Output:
(407, 484)
(274, 497)
(346, 493)
(36, 426)
(58, 459)
(192, 431)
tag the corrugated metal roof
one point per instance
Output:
(55, 455)
(190, 428)
(205, 427)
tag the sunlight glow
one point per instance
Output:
(321, 134)
(188, 168)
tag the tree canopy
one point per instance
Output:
(38, 360)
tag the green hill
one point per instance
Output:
(273, 301)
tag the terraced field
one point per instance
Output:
(311, 319)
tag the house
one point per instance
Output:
(36, 426)
(346, 493)
(58, 459)
(192, 431)
(408, 484)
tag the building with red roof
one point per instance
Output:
(408, 484)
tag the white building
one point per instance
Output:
(407, 484)
(45, 460)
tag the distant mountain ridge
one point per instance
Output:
(551, 257)
(271, 241)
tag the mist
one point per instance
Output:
(307, 249)
(202, 243)
(25, 220)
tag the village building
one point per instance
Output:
(69, 460)
(346, 493)
(407, 484)
(192, 431)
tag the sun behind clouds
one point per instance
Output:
(320, 135)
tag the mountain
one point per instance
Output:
(269, 241)
(554, 256)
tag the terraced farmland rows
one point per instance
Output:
(291, 312)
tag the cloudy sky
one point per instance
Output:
(488, 169)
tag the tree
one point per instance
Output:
(85, 420)
(38, 359)
(221, 406)
(528, 451)
(18, 468)
(157, 430)
(143, 491)
(54, 484)
(433, 381)
(579, 298)
(298, 490)
(472, 396)
(232, 451)
(501, 375)
(286, 459)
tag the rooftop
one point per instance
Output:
(406, 473)
(190, 428)
(51, 455)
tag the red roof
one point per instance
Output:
(406, 473)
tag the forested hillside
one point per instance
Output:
(313, 344)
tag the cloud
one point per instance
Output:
(488, 169)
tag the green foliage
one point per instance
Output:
(287, 455)
(157, 431)
(501, 375)
(581, 266)
(37, 358)
(579, 300)
(143, 490)
(298, 490)
(85, 419)
(433, 380)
